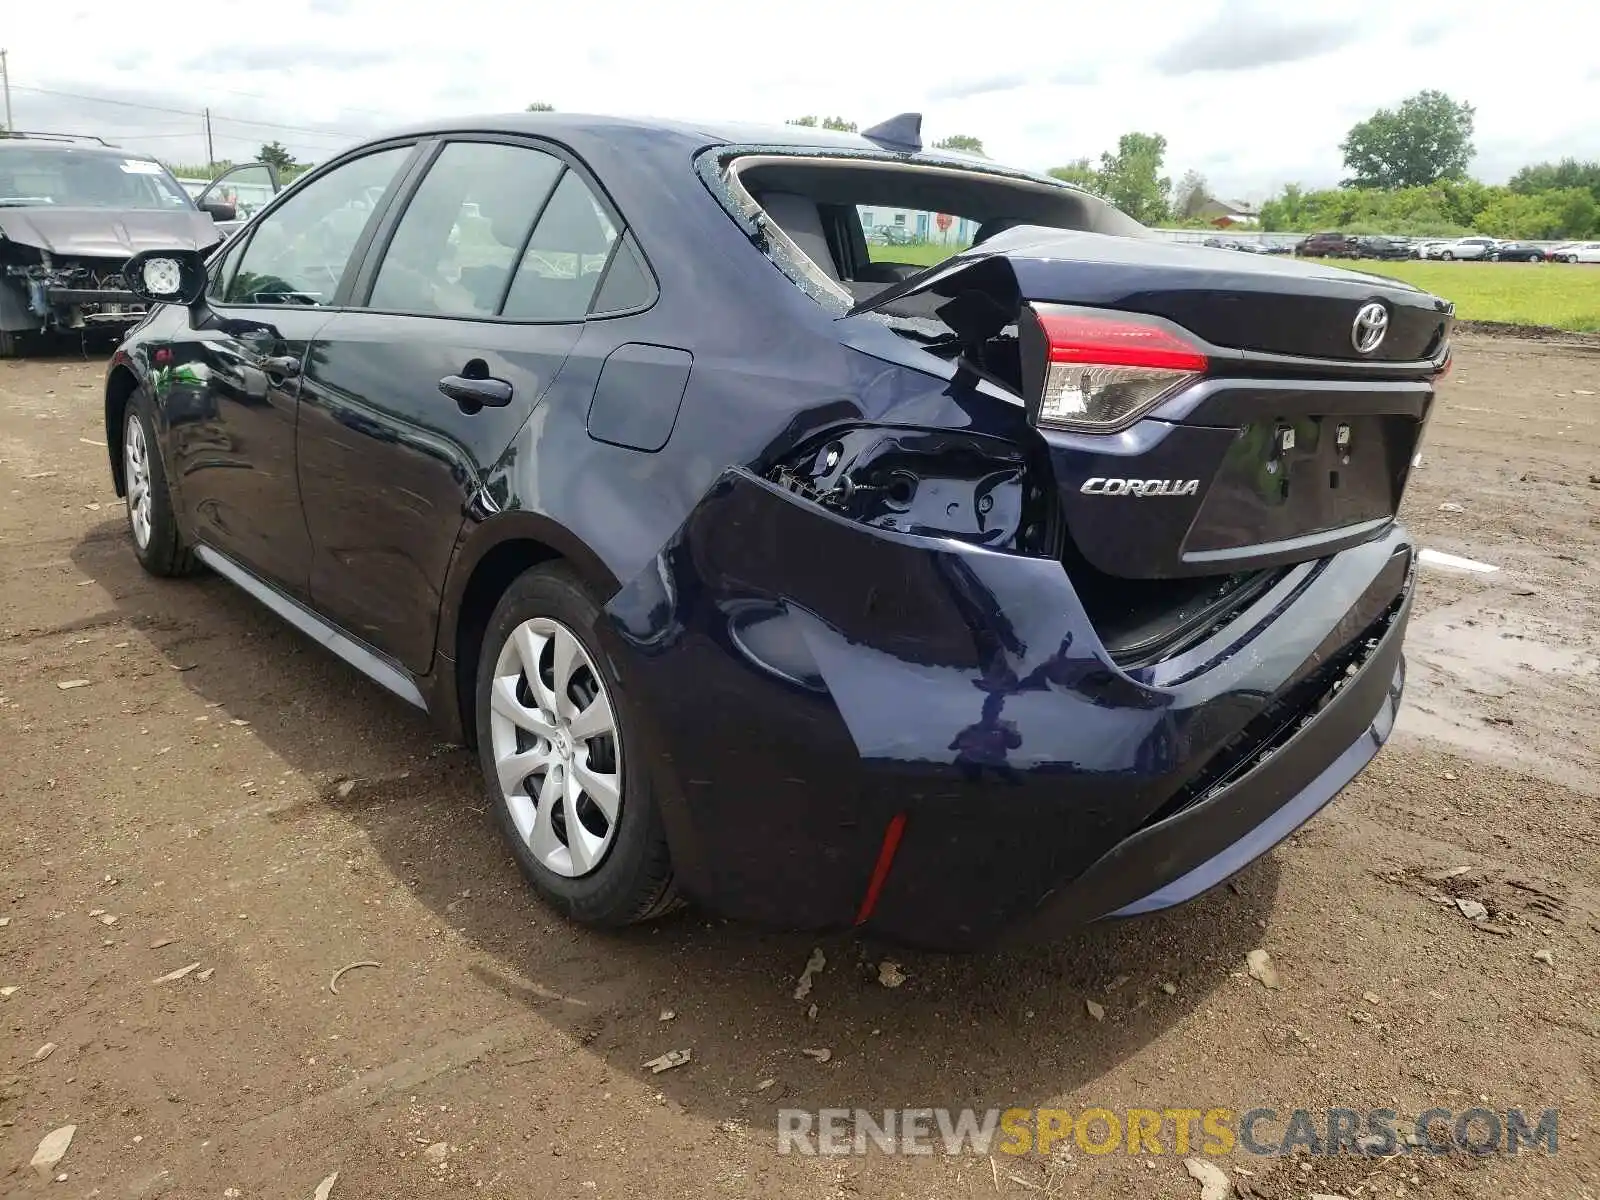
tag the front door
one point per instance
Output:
(240, 364)
(245, 190)
(232, 388)
(473, 304)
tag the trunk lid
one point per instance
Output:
(1259, 303)
(1295, 440)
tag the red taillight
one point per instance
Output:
(1105, 370)
(1115, 342)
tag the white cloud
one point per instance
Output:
(1249, 96)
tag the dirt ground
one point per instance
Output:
(189, 805)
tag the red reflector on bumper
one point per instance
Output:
(880, 869)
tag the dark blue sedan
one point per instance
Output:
(819, 576)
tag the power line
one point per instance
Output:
(124, 135)
(182, 112)
(335, 134)
(371, 112)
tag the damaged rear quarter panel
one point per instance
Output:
(804, 678)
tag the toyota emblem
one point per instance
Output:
(1372, 322)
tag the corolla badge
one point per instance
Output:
(1099, 486)
(1372, 322)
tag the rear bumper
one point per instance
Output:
(1189, 853)
(805, 683)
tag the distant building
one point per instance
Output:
(1223, 213)
(915, 225)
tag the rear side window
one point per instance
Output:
(560, 270)
(453, 252)
(298, 253)
(628, 283)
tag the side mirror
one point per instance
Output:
(166, 276)
(221, 210)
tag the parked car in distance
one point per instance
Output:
(1517, 252)
(765, 569)
(1233, 244)
(1577, 252)
(1382, 247)
(1326, 245)
(72, 210)
(1429, 247)
(1469, 249)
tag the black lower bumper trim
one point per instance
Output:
(1174, 860)
(90, 296)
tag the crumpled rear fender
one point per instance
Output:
(800, 679)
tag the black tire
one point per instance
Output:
(165, 553)
(1446, 256)
(634, 880)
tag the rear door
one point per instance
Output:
(232, 383)
(470, 301)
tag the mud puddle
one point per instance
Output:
(1485, 673)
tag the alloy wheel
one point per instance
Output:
(136, 474)
(556, 747)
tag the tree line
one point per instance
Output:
(1407, 174)
(276, 154)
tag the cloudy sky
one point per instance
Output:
(1251, 93)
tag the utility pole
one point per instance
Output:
(211, 155)
(5, 79)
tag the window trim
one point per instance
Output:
(434, 145)
(358, 252)
(217, 285)
(521, 251)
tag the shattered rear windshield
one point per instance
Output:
(72, 179)
(846, 225)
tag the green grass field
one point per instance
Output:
(1560, 295)
(923, 254)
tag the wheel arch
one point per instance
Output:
(121, 383)
(488, 558)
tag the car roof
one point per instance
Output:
(94, 149)
(559, 125)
